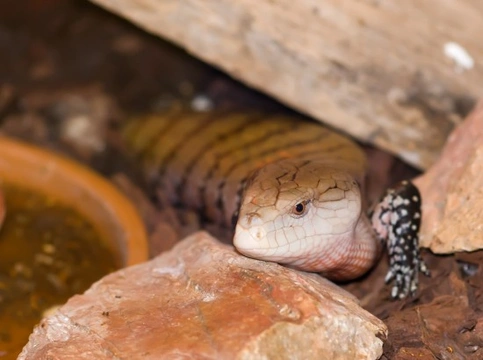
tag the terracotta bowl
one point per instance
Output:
(109, 211)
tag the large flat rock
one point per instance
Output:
(202, 300)
(452, 191)
(397, 74)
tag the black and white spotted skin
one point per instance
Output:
(396, 220)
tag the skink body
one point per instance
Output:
(291, 188)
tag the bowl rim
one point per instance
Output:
(125, 217)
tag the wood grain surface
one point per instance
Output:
(372, 68)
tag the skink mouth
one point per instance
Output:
(258, 248)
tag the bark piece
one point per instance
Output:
(393, 73)
(203, 300)
(452, 191)
(447, 328)
(2, 208)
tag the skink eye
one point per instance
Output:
(300, 209)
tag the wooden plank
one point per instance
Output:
(376, 69)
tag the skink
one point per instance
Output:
(291, 188)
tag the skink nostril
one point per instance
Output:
(257, 233)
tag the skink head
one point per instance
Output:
(300, 214)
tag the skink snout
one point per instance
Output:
(252, 223)
(250, 234)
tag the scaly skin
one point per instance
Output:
(330, 235)
(293, 189)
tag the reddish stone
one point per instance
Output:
(452, 191)
(203, 300)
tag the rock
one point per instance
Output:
(83, 121)
(400, 87)
(203, 300)
(452, 191)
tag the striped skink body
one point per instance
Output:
(291, 187)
